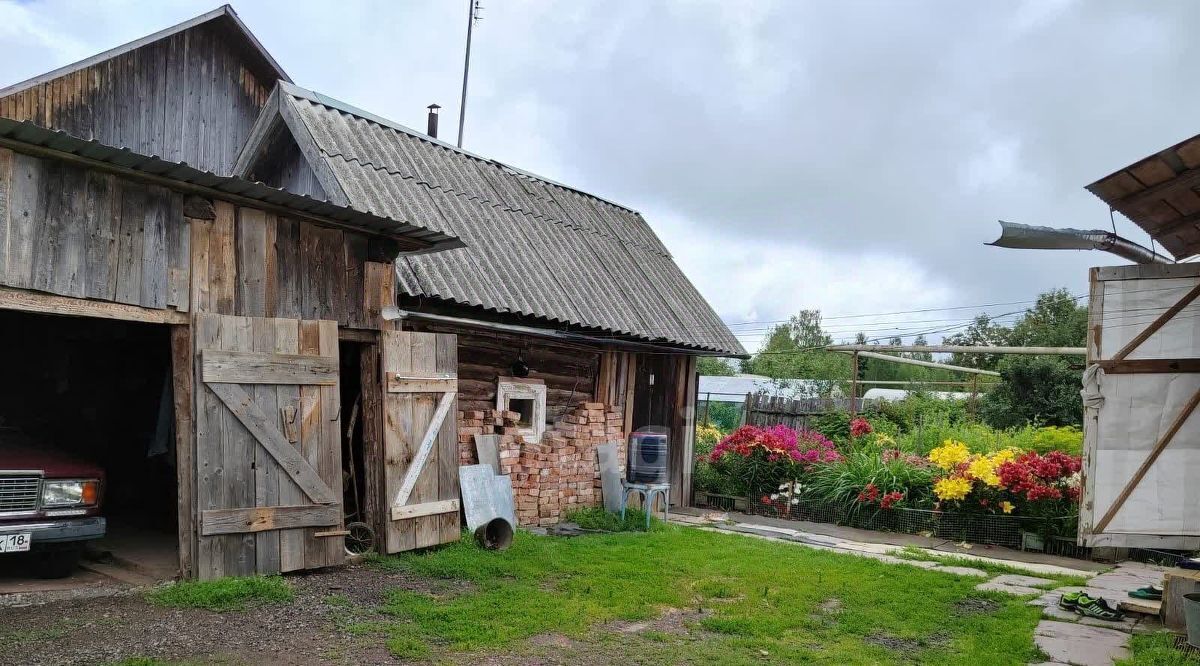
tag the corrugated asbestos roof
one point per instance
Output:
(59, 141)
(1160, 194)
(533, 247)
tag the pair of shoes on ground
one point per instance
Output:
(1089, 606)
(1153, 592)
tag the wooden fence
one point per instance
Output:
(764, 410)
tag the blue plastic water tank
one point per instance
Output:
(647, 455)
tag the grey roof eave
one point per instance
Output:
(32, 135)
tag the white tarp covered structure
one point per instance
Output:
(1141, 471)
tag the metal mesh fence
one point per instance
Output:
(1038, 533)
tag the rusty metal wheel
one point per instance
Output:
(360, 539)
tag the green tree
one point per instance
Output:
(712, 366)
(1034, 389)
(794, 350)
(982, 332)
(1041, 389)
(1056, 320)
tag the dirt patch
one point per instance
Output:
(551, 640)
(674, 621)
(894, 644)
(831, 606)
(111, 629)
(908, 646)
(975, 606)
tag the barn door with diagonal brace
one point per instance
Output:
(420, 439)
(1141, 395)
(268, 452)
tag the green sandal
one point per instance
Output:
(1153, 592)
(1097, 608)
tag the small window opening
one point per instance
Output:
(525, 407)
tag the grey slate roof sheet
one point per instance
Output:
(533, 247)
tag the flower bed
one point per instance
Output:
(1005, 497)
(992, 529)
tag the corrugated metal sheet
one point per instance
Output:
(34, 135)
(533, 247)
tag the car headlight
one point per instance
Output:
(73, 492)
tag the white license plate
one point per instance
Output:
(14, 543)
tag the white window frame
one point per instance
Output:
(507, 389)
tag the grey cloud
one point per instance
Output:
(901, 128)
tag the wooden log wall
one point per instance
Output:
(616, 381)
(77, 232)
(569, 371)
(188, 98)
(253, 263)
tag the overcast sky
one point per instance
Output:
(846, 156)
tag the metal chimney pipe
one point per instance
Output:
(1026, 237)
(431, 127)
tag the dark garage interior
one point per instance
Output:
(98, 391)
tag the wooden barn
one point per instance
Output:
(271, 315)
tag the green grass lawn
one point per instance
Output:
(738, 600)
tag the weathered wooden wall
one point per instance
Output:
(72, 231)
(569, 371)
(186, 98)
(252, 263)
(285, 167)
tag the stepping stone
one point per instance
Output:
(1127, 624)
(1080, 644)
(1018, 579)
(961, 571)
(1148, 625)
(1053, 612)
(920, 564)
(1015, 590)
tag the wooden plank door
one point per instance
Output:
(268, 449)
(420, 439)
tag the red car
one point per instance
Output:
(49, 503)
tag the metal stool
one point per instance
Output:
(648, 491)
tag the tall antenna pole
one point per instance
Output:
(472, 16)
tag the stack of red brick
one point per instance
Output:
(556, 475)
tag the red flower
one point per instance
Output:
(891, 499)
(766, 499)
(860, 427)
(868, 494)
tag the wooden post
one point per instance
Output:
(374, 510)
(853, 384)
(974, 395)
(185, 450)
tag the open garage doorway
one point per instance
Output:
(86, 397)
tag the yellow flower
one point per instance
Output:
(983, 469)
(1005, 455)
(1006, 506)
(949, 455)
(884, 440)
(952, 488)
